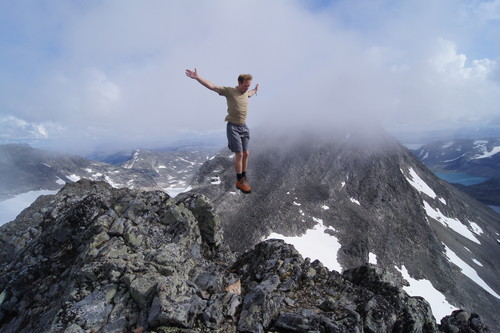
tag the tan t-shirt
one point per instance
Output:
(237, 105)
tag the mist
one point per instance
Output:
(83, 75)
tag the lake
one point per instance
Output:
(461, 178)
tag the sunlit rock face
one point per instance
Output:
(348, 198)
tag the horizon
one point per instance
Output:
(216, 141)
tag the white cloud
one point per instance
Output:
(13, 127)
(118, 67)
(448, 62)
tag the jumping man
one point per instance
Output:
(238, 133)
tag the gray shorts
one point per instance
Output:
(237, 137)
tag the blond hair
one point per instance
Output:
(244, 77)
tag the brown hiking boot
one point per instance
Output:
(243, 186)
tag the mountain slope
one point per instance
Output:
(488, 192)
(375, 199)
(473, 157)
(170, 169)
(26, 169)
(97, 259)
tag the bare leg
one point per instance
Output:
(238, 162)
(244, 161)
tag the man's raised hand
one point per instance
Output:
(192, 74)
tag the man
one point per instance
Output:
(238, 133)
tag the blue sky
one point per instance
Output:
(76, 75)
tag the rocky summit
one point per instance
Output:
(97, 259)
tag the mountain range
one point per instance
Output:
(24, 169)
(364, 197)
(467, 157)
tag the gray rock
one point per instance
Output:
(260, 306)
(142, 287)
(172, 273)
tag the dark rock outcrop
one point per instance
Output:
(98, 259)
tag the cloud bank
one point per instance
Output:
(83, 74)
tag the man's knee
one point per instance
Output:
(238, 156)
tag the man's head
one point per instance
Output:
(244, 82)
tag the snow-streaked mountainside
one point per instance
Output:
(474, 157)
(28, 172)
(170, 169)
(466, 159)
(27, 169)
(349, 199)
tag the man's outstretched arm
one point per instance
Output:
(194, 75)
(253, 91)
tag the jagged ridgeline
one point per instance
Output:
(97, 259)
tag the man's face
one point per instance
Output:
(244, 86)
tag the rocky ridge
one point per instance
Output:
(97, 259)
(374, 199)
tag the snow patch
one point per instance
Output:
(296, 203)
(110, 182)
(454, 159)
(454, 224)
(10, 208)
(424, 288)
(174, 191)
(442, 200)
(325, 207)
(468, 271)
(448, 144)
(476, 228)
(372, 258)
(355, 201)
(477, 262)
(487, 154)
(315, 244)
(419, 184)
(73, 177)
(60, 181)
(215, 180)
